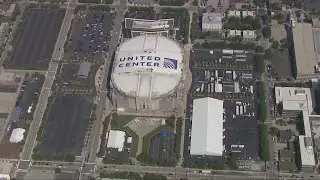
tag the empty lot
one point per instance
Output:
(37, 39)
(66, 125)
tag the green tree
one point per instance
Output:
(275, 45)
(195, 2)
(273, 131)
(57, 170)
(264, 146)
(266, 32)
(259, 3)
(150, 176)
(280, 17)
(259, 49)
(69, 158)
(268, 54)
(256, 24)
(232, 161)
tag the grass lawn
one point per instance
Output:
(119, 121)
(146, 138)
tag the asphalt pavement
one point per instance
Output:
(103, 102)
(66, 24)
(46, 89)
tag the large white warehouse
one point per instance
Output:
(207, 127)
(147, 66)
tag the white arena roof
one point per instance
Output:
(116, 139)
(207, 127)
(147, 66)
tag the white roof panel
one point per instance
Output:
(295, 98)
(207, 127)
(116, 139)
(306, 151)
(147, 66)
(17, 135)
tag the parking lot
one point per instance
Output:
(27, 100)
(79, 79)
(37, 40)
(161, 147)
(114, 156)
(22, 113)
(227, 75)
(90, 35)
(65, 125)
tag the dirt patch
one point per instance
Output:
(278, 31)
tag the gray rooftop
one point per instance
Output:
(84, 69)
(305, 55)
(212, 18)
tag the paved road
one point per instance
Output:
(272, 164)
(93, 144)
(59, 47)
(46, 89)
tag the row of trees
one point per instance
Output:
(226, 45)
(177, 141)
(264, 146)
(182, 16)
(96, 1)
(132, 176)
(247, 23)
(172, 3)
(262, 102)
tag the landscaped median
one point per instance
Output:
(262, 102)
(264, 146)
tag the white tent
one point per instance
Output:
(17, 135)
(116, 139)
(207, 127)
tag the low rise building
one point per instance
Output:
(247, 13)
(249, 34)
(17, 135)
(5, 169)
(211, 22)
(137, 27)
(297, 101)
(232, 13)
(84, 70)
(232, 33)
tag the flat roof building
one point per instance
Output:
(84, 69)
(247, 13)
(300, 100)
(116, 139)
(248, 34)
(5, 168)
(17, 135)
(232, 33)
(236, 13)
(306, 151)
(211, 22)
(207, 127)
(305, 56)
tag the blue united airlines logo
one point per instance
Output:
(170, 63)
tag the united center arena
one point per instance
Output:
(147, 71)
